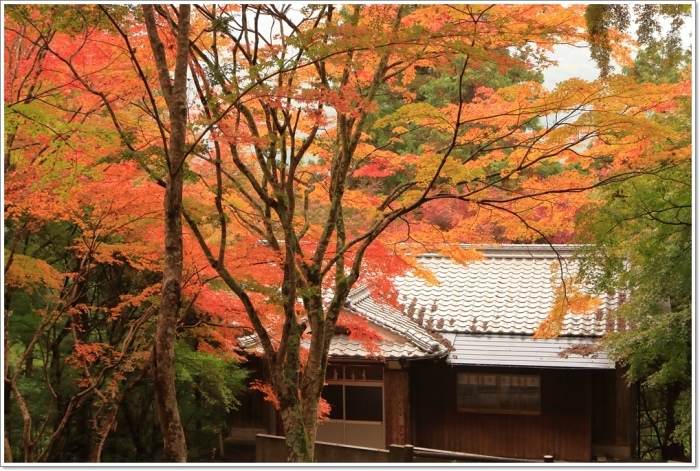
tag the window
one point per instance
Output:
(356, 396)
(499, 393)
(355, 392)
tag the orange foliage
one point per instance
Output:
(324, 408)
(360, 330)
(285, 193)
(568, 298)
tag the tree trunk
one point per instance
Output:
(299, 448)
(300, 421)
(95, 452)
(27, 445)
(174, 445)
(299, 409)
(8, 450)
(175, 93)
(671, 450)
(6, 375)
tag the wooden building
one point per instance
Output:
(459, 368)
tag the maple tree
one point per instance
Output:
(65, 228)
(499, 127)
(50, 184)
(82, 237)
(296, 182)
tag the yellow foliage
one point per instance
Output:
(460, 255)
(568, 298)
(421, 272)
(27, 273)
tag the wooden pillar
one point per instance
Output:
(397, 407)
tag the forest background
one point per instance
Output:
(307, 150)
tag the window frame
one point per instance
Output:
(498, 409)
(344, 383)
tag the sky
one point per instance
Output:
(576, 61)
(573, 62)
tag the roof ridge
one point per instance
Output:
(395, 321)
(358, 294)
(532, 251)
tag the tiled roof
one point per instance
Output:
(526, 351)
(248, 341)
(344, 346)
(499, 301)
(510, 291)
(383, 315)
(412, 340)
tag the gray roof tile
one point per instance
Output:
(359, 301)
(344, 346)
(510, 291)
(519, 350)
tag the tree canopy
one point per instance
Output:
(179, 177)
(641, 244)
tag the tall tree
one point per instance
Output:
(82, 247)
(74, 246)
(175, 150)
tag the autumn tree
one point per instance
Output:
(77, 270)
(82, 237)
(283, 163)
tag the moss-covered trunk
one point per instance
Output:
(300, 420)
(175, 93)
(298, 391)
(300, 449)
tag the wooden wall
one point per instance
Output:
(614, 415)
(254, 413)
(562, 429)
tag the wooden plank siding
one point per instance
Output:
(614, 415)
(253, 412)
(562, 429)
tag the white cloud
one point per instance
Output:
(572, 62)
